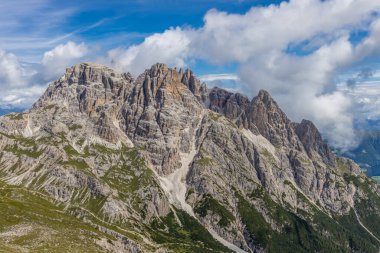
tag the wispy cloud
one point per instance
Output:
(218, 77)
(21, 97)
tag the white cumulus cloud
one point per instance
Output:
(21, 84)
(11, 71)
(232, 37)
(170, 47)
(217, 77)
(55, 61)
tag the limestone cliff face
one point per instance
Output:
(160, 115)
(162, 164)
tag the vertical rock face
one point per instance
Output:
(161, 114)
(312, 141)
(90, 89)
(269, 120)
(232, 105)
(261, 115)
(90, 86)
(162, 164)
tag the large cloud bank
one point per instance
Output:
(293, 50)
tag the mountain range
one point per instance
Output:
(367, 153)
(104, 162)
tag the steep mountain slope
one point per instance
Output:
(162, 164)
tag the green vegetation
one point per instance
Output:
(205, 161)
(128, 176)
(48, 107)
(304, 161)
(258, 228)
(300, 236)
(275, 211)
(32, 223)
(300, 195)
(346, 229)
(28, 142)
(296, 234)
(268, 155)
(368, 209)
(70, 151)
(74, 127)
(208, 203)
(214, 116)
(15, 116)
(341, 167)
(18, 151)
(79, 164)
(127, 180)
(22, 146)
(349, 178)
(189, 236)
(49, 140)
(81, 141)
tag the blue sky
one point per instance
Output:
(105, 24)
(313, 56)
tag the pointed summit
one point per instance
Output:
(158, 69)
(160, 78)
(265, 117)
(265, 97)
(312, 141)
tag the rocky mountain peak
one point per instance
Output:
(194, 85)
(162, 71)
(312, 141)
(161, 84)
(265, 117)
(87, 87)
(265, 97)
(89, 73)
(157, 70)
(265, 101)
(232, 105)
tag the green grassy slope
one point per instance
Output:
(31, 223)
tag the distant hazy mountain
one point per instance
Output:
(367, 154)
(372, 125)
(4, 111)
(103, 162)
